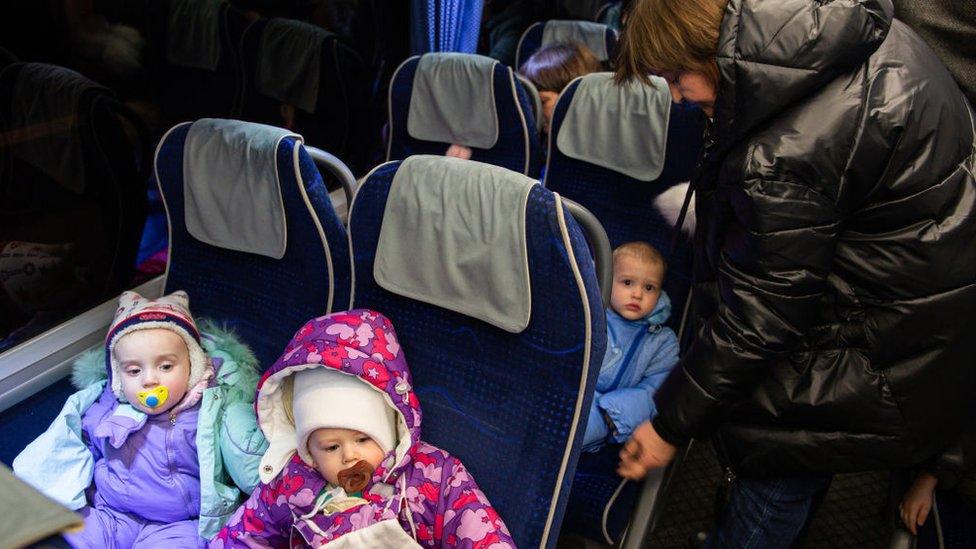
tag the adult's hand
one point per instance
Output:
(917, 503)
(644, 451)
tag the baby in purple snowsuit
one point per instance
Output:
(145, 454)
(346, 466)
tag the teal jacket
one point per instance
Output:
(229, 442)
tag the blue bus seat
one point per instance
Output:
(67, 163)
(517, 146)
(326, 83)
(600, 505)
(626, 205)
(510, 403)
(263, 278)
(601, 39)
(192, 59)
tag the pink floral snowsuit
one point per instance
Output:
(425, 490)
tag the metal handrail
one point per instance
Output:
(599, 244)
(338, 168)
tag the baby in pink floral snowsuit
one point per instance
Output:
(340, 401)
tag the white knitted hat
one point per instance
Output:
(324, 397)
(171, 312)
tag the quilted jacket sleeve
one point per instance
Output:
(630, 406)
(59, 462)
(469, 519)
(772, 268)
(259, 522)
(242, 444)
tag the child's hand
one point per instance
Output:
(459, 151)
(917, 503)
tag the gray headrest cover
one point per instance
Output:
(44, 109)
(592, 35)
(289, 62)
(620, 127)
(232, 196)
(193, 33)
(453, 235)
(453, 100)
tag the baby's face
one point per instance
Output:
(636, 287)
(548, 106)
(333, 450)
(154, 364)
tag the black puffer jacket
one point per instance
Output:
(835, 250)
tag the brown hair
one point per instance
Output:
(670, 35)
(643, 252)
(553, 67)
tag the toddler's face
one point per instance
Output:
(636, 287)
(548, 106)
(336, 449)
(150, 360)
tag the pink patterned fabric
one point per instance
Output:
(425, 489)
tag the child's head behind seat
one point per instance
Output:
(553, 67)
(638, 274)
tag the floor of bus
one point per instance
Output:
(852, 514)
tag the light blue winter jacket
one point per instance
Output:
(229, 443)
(640, 355)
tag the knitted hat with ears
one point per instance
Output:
(171, 312)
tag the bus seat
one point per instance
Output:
(192, 58)
(254, 239)
(307, 70)
(440, 99)
(535, 101)
(505, 388)
(66, 163)
(617, 171)
(623, 197)
(580, 9)
(596, 36)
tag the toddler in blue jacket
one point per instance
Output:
(641, 350)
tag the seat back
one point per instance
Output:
(196, 66)
(253, 236)
(631, 206)
(508, 397)
(599, 38)
(623, 172)
(311, 72)
(440, 99)
(65, 162)
(580, 9)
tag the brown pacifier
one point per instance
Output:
(355, 478)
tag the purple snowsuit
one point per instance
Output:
(417, 489)
(147, 480)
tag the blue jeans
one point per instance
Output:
(768, 513)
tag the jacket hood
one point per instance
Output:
(661, 312)
(360, 343)
(772, 54)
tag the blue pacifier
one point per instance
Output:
(153, 398)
